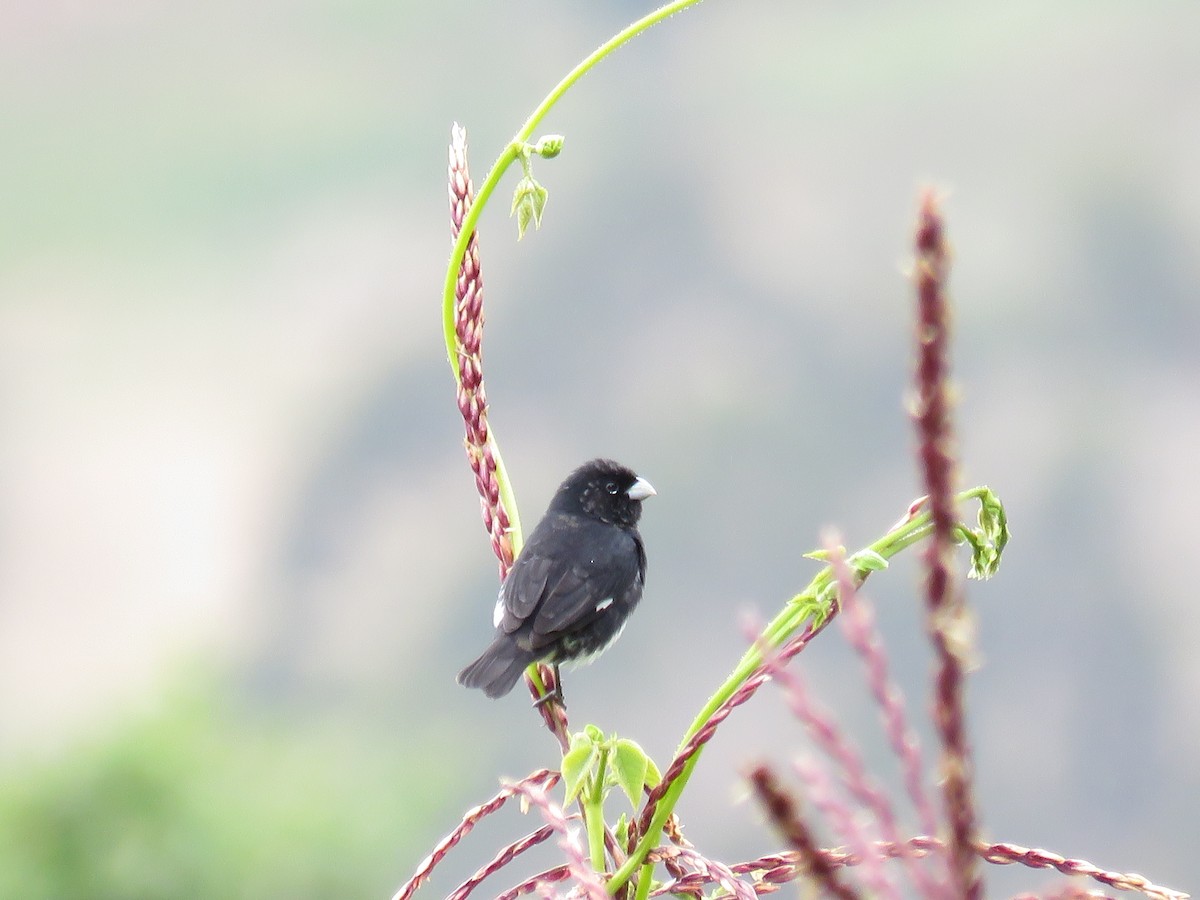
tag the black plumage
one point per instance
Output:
(574, 583)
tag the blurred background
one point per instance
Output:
(240, 553)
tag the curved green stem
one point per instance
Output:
(511, 153)
(795, 613)
(621, 37)
(804, 604)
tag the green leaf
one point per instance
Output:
(524, 217)
(827, 595)
(593, 734)
(529, 199)
(621, 830)
(807, 597)
(538, 202)
(653, 776)
(519, 194)
(867, 561)
(629, 764)
(577, 765)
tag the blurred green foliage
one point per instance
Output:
(204, 799)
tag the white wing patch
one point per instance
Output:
(604, 604)
(498, 612)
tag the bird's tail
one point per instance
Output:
(498, 669)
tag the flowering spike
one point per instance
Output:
(577, 864)
(543, 779)
(948, 620)
(780, 808)
(858, 624)
(499, 861)
(482, 455)
(468, 329)
(540, 883)
(688, 752)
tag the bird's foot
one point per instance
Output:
(551, 697)
(553, 693)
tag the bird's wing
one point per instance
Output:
(582, 591)
(556, 538)
(566, 590)
(524, 588)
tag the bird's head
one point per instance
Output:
(604, 490)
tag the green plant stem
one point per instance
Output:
(458, 252)
(795, 613)
(512, 153)
(593, 814)
(643, 886)
(622, 37)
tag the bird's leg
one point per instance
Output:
(554, 695)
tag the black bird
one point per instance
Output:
(575, 582)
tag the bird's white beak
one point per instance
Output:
(641, 489)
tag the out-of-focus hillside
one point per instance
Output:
(229, 443)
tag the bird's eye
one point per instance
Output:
(612, 487)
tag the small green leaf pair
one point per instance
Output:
(529, 197)
(594, 764)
